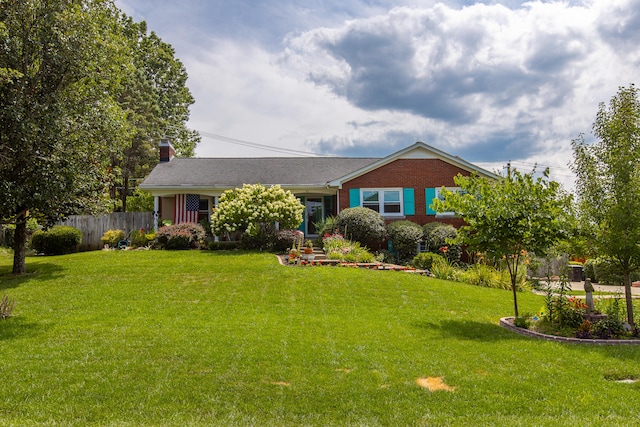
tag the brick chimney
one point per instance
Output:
(166, 150)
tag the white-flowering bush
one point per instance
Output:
(250, 208)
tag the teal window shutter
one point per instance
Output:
(354, 197)
(409, 201)
(429, 195)
(303, 226)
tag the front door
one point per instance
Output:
(314, 214)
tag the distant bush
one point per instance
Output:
(589, 270)
(405, 237)
(362, 225)
(112, 237)
(140, 201)
(605, 271)
(180, 236)
(7, 232)
(58, 240)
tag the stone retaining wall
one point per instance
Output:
(507, 323)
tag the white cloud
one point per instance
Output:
(491, 82)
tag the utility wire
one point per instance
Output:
(259, 146)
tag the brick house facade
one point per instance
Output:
(421, 175)
(399, 186)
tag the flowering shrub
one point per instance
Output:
(180, 236)
(254, 209)
(337, 247)
(361, 225)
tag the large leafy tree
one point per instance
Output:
(156, 100)
(608, 184)
(509, 217)
(60, 61)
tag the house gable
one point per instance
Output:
(412, 175)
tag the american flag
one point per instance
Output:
(187, 206)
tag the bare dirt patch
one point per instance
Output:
(434, 384)
(281, 383)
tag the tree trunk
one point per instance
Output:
(513, 274)
(628, 297)
(515, 295)
(125, 189)
(19, 246)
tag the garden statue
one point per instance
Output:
(588, 288)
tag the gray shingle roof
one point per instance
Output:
(233, 172)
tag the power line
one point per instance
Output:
(259, 146)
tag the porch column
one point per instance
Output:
(156, 212)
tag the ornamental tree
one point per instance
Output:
(509, 217)
(255, 208)
(608, 185)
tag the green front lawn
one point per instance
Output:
(205, 338)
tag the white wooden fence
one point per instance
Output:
(93, 227)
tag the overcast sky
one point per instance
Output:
(489, 81)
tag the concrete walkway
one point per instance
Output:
(579, 286)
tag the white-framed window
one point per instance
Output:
(386, 201)
(441, 197)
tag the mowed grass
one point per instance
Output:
(159, 338)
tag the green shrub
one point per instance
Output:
(437, 236)
(180, 236)
(58, 240)
(607, 328)
(425, 260)
(444, 271)
(112, 237)
(287, 239)
(262, 239)
(485, 275)
(405, 237)
(522, 322)
(362, 225)
(140, 238)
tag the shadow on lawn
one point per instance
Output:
(16, 327)
(41, 271)
(471, 330)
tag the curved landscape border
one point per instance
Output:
(507, 323)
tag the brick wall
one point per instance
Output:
(409, 173)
